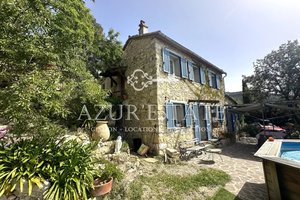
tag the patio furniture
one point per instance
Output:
(190, 148)
(211, 151)
(216, 142)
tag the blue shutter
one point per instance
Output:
(169, 114)
(184, 70)
(233, 121)
(191, 71)
(218, 81)
(207, 122)
(166, 60)
(202, 75)
(196, 121)
(187, 115)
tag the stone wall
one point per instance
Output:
(141, 54)
(179, 89)
(145, 53)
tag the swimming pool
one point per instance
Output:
(290, 151)
(281, 165)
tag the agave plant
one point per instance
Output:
(73, 172)
(20, 164)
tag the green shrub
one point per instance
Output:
(125, 146)
(250, 129)
(72, 172)
(295, 134)
(19, 163)
(113, 135)
(108, 170)
(68, 167)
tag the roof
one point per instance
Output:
(230, 98)
(159, 35)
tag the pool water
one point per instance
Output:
(290, 151)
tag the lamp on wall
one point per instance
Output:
(166, 99)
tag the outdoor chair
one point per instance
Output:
(191, 148)
(210, 151)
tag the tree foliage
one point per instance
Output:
(277, 74)
(46, 48)
(107, 53)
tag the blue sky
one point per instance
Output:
(231, 34)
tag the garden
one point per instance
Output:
(75, 167)
(51, 56)
(53, 170)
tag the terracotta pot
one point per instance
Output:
(101, 189)
(101, 131)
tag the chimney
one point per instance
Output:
(143, 28)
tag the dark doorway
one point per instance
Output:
(137, 142)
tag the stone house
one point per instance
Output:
(172, 94)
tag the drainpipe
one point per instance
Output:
(263, 117)
(224, 81)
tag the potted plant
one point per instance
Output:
(103, 181)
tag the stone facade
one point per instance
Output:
(181, 90)
(149, 123)
(141, 54)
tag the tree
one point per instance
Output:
(107, 53)
(45, 46)
(277, 74)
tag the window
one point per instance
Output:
(196, 74)
(214, 113)
(175, 65)
(202, 75)
(214, 80)
(178, 115)
(221, 114)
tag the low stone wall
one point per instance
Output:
(248, 140)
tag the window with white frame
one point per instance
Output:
(196, 74)
(177, 115)
(214, 80)
(178, 65)
(214, 113)
(175, 65)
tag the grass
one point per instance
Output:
(135, 191)
(223, 194)
(169, 186)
